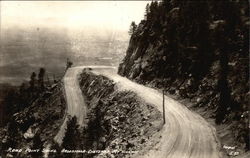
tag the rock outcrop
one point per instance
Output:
(196, 50)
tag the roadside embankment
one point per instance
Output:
(119, 122)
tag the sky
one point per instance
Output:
(72, 14)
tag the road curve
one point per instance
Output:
(75, 101)
(185, 134)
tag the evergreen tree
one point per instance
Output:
(32, 81)
(41, 78)
(166, 4)
(146, 12)
(132, 29)
(58, 149)
(229, 12)
(72, 134)
(10, 103)
(37, 144)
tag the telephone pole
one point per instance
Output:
(163, 104)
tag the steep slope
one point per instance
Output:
(120, 123)
(34, 127)
(196, 50)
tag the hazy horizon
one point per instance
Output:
(37, 34)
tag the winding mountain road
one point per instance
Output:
(75, 101)
(185, 134)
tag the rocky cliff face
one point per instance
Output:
(196, 50)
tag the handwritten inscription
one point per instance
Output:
(28, 150)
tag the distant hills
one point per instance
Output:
(24, 50)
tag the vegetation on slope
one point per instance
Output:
(198, 50)
(32, 113)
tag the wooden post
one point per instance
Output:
(163, 104)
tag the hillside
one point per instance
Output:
(197, 50)
(58, 122)
(28, 131)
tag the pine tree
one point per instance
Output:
(228, 11)
(32, 80)
(146, 12)
(37, 144)
(58, 149)
(72, 134)
(41, 78)
(132, 29)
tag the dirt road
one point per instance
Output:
(185, 134)
(75, 102)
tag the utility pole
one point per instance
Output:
(163, 104)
